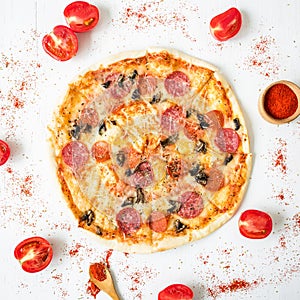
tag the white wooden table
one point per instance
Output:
(31, 85)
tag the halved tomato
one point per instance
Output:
(34, 254)
(4, 152)
(176, 292)
(226, 25)
(255, 224)
(81, 16)
(61, 43)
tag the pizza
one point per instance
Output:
(152, 150)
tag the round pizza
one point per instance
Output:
(152, 150)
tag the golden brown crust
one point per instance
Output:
(97, 191)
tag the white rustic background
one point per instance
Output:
(32, 84)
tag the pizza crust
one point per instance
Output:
(97, 218)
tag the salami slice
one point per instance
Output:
(75, 154)
(215, 180)
(146, 85)
(89, 116)
(143, 175)
(227, 140)
(119, 85)
(128, 220)
(171, 119)
(215, 119)
(158, 221)
(191, 205)
(177, 84)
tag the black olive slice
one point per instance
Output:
(98, 230)
(106, 84)
(156, 98)
(120, 157)
(179, 226)
(75, 132)
(102, 127)
(121, 80)
(228, 159)
(237, 124)
(202, 122)
(128, 202)
(175, 206)
(135, 95)
(201, 178)
(201, 146)
(133, 75)
(194, 170)
(140, 196)
(88, 217)
(172, 139)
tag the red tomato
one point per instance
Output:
(176, 292)
(34, 254)
(255, 224)
(81, 16)
(61, 43)
(226, 25)
(4, 152)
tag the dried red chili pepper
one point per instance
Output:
(280, 101)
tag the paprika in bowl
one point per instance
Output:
(279, 103)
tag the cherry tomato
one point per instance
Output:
(226, 25)
(176, 292)
(81, 16)
(34, 254)
(61, 43)
(4, 152)
(255, 224)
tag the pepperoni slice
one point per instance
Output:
(171, 119)
(158, 221)
(215, 180)
(191, 205)
(89, 116)
(227, 140)
(146, 85)
(193, 131)
(128, 220)
(101, 151)
(143, 175)
(75, 154)
(177, 84)
(119, 85)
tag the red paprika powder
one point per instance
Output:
(280, 101)
(98, 271)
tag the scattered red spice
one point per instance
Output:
(280, 196)
(58, 278)
(233, 286)
(108, 255)
(296, 224)
(280, 101)
(75, 251)
(279, 157)
(262, 59)
(154, 14)
(282, 241)
(98, 271)
(26, 186)
(92, 289)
